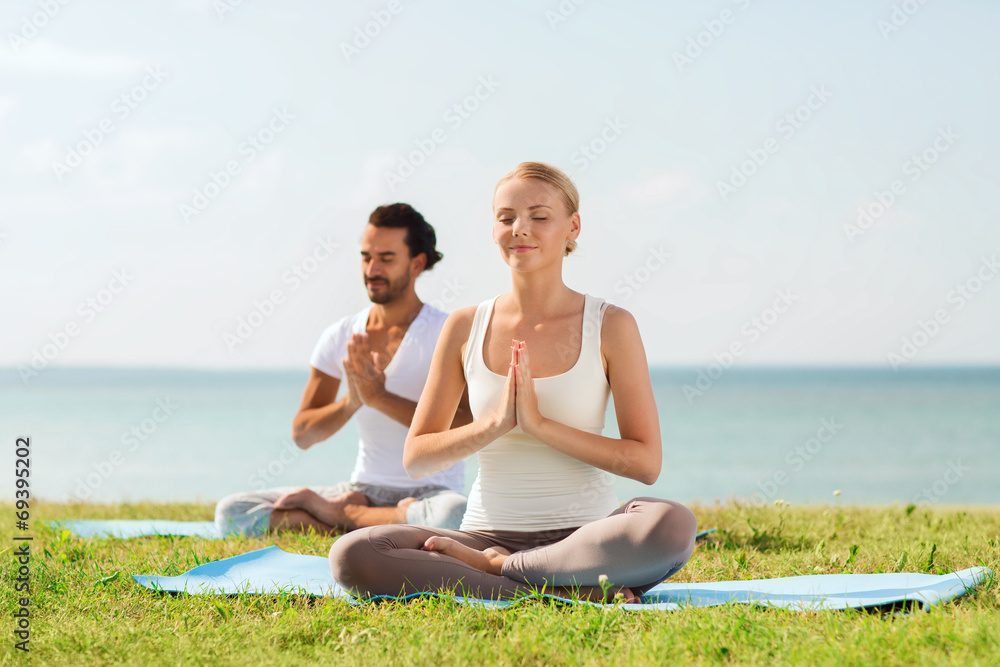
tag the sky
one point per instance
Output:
(184, 184)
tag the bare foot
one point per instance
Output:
(401, 508)
(613, 595)
(295, 500)
(332, 510)
(629, 596)
(489, 560)
(327, 510)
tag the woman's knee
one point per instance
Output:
(670, 526)
(351, 557)
(361, 560)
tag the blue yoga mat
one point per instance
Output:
(272, 571)
(269, 571)
(125, 528)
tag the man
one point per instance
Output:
(383, 355)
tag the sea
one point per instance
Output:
(758, 435)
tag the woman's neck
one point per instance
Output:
(537, 296)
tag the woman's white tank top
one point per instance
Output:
(523, 484)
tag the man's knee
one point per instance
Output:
(442, 511)
(240, 513)
(225, 509)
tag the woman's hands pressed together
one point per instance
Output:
(528, 416)
(519, 404)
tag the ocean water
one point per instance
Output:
(922, 435)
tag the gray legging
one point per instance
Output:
(639, 545)
(248, 513)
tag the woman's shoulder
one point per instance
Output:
(461, 319)
(462, 316)
(458, 324)
(617, 325)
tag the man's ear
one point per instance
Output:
(418, 263)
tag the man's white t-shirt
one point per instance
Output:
(380, 450)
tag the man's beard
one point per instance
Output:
(391, 291)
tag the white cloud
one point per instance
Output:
(665, 187)
(38, 155)
(223, 9)
(685, 301)
(41, 56)
(373, 186)
(7, 106)
(142, 151)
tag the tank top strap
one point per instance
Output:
(590, 341)
(593, 317)
(477, 335)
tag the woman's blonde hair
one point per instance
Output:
(554, 177)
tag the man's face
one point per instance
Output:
(386, 264)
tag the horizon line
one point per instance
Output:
(652, 367)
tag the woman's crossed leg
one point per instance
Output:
(639, 545)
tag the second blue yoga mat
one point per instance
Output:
(129, 528)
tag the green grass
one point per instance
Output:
(86, 608)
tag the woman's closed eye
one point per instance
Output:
(510, 220)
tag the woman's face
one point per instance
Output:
(531, 224)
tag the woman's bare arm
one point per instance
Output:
(430, 445)
(638, 453)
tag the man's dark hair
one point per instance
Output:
(420, 237)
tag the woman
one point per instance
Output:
(542, 512)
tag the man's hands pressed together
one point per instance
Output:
(365, 372)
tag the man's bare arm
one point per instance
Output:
(320, 415)
(402, 409)
(393, 406)
(367, 380)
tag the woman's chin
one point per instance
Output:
(522, 259)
